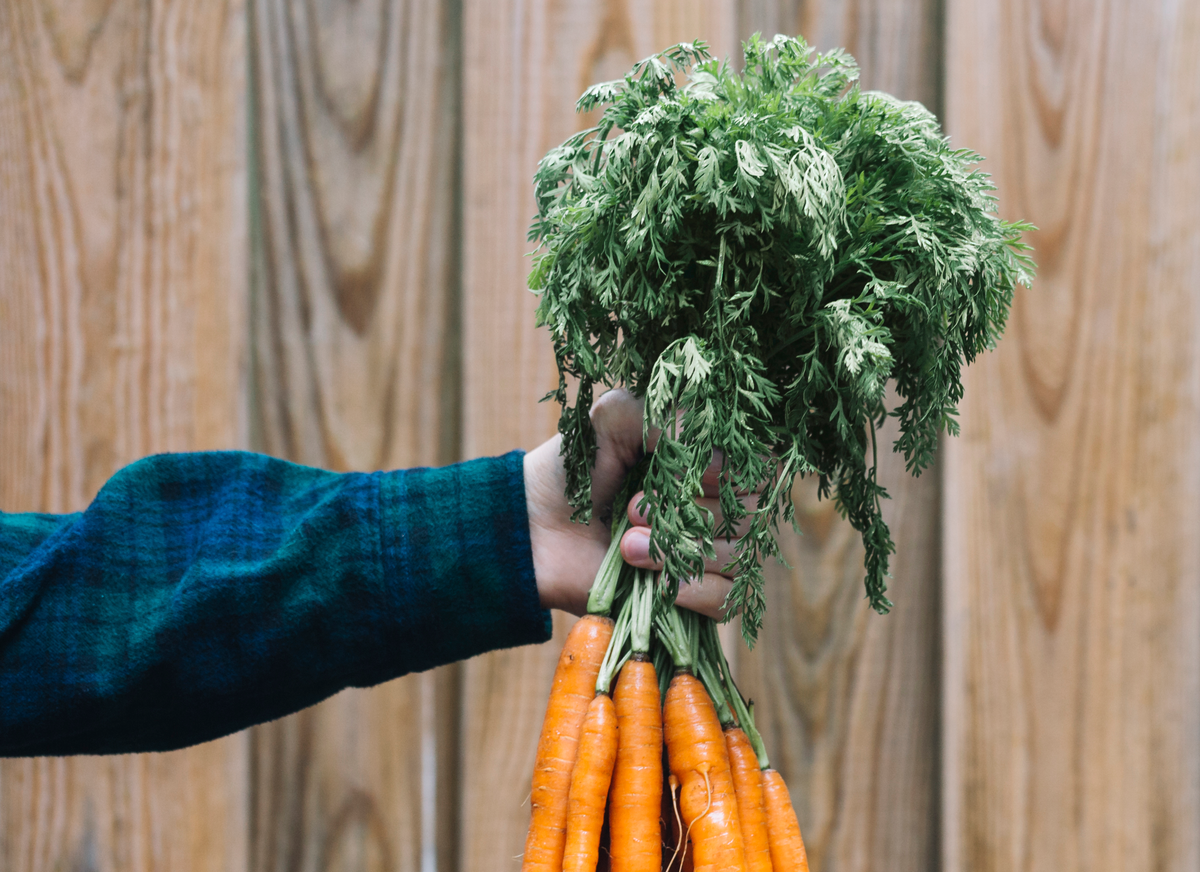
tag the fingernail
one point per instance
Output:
(636, 548)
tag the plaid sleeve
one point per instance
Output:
(202, 593)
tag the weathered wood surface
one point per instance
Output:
(525, 64)
(355, 341)
(1072, 629)
(897, 42)
(1069, 694)
(123, 300)
(848, 700)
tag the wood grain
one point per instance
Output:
(355, 340)
(898, 43)
(1072, 627)
(525, 64)
(122, 332)
(848, 701)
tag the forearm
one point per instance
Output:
(203, 593)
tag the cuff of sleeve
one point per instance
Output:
(458, 560)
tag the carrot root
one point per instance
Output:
(589, 785)
(637, 779)
(699, 759)
(748, 786)
(783, 829)
(571, 693)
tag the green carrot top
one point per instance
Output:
(759, 255)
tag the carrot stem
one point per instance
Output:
(616, 655)
(662, 667)
(709, 674)
(608, 577)
(642, 617)
(743, 711)
(673, 633)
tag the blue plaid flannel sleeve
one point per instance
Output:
(202, 593)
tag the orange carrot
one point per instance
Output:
(589, 785)
(787, 848)
(633, 816)
(572, 691)
(747, 784)
(696, 748)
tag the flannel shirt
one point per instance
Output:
(202, 593)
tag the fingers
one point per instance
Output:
(617, 419)
(712, 476)
(635, 550)
(635, 545)
(706, 595)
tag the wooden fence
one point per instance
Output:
(299, 227)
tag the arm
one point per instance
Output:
(203, 593)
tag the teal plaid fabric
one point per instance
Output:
(202, 593)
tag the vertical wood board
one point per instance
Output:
(898, 43)
(122, 333)
(847, 700)
(1072, 701)
(355, 338)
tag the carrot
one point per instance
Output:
(748, 786)
(696, 749)
(570, 695)
(590, 780)
(633, 816)
(787, 848)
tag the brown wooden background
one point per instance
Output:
(298, 226)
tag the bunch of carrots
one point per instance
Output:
(757, 255)
(626, 689)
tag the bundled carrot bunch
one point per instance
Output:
(758, 254)
(624, 690)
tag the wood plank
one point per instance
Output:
(848, 700)
(525, 64)
(1073, 593)
(898, 43)
(355, 344)
(123, 320)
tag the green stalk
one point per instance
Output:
(709, 671)
(744, 712)
(608, 577)
(662, 666)
(616, 655)
(673, 633)
(642, 598)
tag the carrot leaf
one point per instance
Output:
(760, 255)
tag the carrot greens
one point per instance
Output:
(759, 255)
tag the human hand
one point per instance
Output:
(567, 555)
